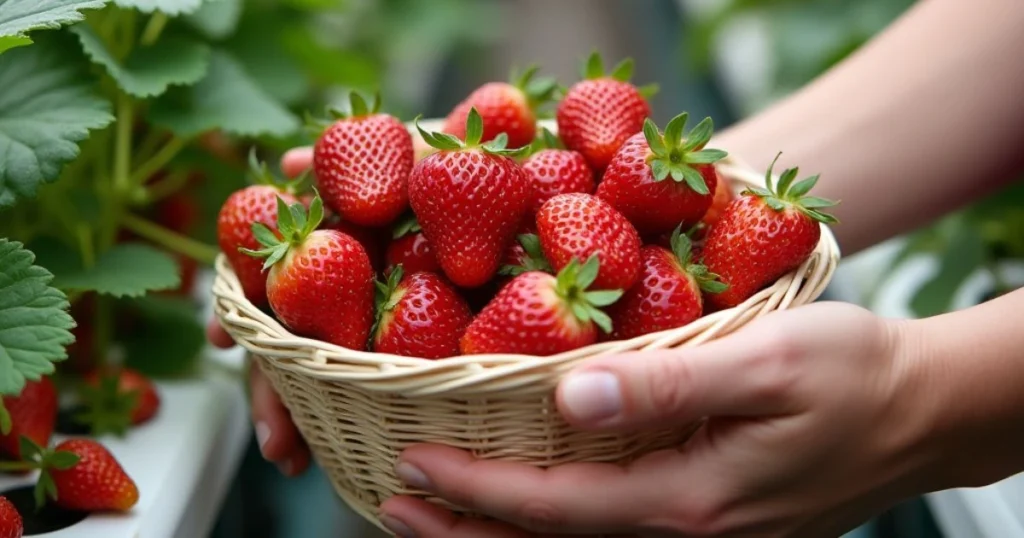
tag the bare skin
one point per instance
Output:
(821, 416)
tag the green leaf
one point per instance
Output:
(17, 17)
(47, 106)
(659, 169)
(594, 67)
(624, 70)
(63, 459)
(963, 254)
(216, 19)
(813, 202)
(35, 325)
(126, 270)
(603, 297)
(474, 127)
(653, 137)
(167, 340)
(9, 42)
(588, 272)
(674, 130)
(802, 187)
(700, 135)
(150, 71)
(258, 45)
(695, 180)
(706, 156)
(601, 319)
(170, 7)
(227, 99)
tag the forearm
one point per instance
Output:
(924, 119)
(967, 369)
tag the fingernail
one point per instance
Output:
(262, 434)
(413, 477)
(397, 527)
(592, 396)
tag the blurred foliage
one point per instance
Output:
(807, 38)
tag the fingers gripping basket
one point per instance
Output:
(358, 410)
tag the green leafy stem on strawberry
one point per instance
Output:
(474, 135)
(788, 194)
(35, 457)
(532, 260)
(294, 225)
(674, 154)
(594, 68)
(571, 285)
(682, 248)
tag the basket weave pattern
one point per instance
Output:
(358, 410)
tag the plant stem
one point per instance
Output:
(123, 145)
(158, 161)
(170, 240)
(165, 187)
(154, 28)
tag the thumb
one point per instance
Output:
(735, 376)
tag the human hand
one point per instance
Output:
(814, 426)
(279, 439)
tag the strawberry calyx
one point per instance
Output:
(546, 140)
(788, 194)
(538, 92)
(594, 69)
(35, 457)
(534, 261)
(474, 136)
(571, 285)
(107, 409)
(358, 108)
(674, 153)
(294, 225)
(409, 224)
(260, 174)
(386, 300)
(682, 249)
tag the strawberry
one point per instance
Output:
(368, 238)
(410, 249)
(599, 113)
(32, 414)
(252, 204)
(555, 170)
(723, 197)
(576, 226)
(470, 200)
(542, 314)
(82, 475)
(505, 107)
(117, 399)
(419, 315)
(320, 283)
(764, 234)
(362, 163)
(661, 182)
(668, 294)
(11, 524)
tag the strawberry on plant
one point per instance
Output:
(362, 163)
(660, 181)
(505, 107)
(11, 524)
(668, 294)
(80, 475)
(764, 234)
(577, 226)
(542, 314)
(32, 413)
(410, 249)
(470, 199)
(598, 114)
(555, 170)
(419, 315)
(115, 400)
(256, 203)
(320, 283)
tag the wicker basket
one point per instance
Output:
(358, 410)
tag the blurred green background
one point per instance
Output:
(719, 58)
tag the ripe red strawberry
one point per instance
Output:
(723, 197)
(668, 294)
(11, 524)
(320, 283)
(661, 182)
(505, 107)
(556, 170)
(33, 414)
(94, 482)
(117, 399)
(255, 203)
(362, 163)
(470, 200)
(576, 226)
(369, 238)
(598, 114)
(419, 315)
(764, 234)
(542, 314)
(410, 249)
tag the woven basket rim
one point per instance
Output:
(260, 333)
